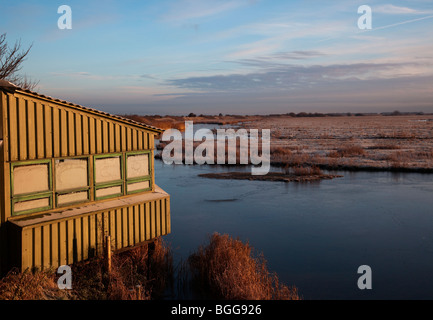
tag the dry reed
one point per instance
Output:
(136, 274)
(30, 286)
(229, 270)
(347, 151)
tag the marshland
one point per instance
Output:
(343, 191)
(315, 234)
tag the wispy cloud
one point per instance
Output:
(274, 37)
(391, 9)
(292, 76)
(279, 59)
(84, 75)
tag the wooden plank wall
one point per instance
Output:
(39, 129)
(63, 242)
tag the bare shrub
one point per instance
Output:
(280, 154)
(140, 267)
(347, 151)
(399, 156)
(299, 158)
(306, 171)
(426, 154)
(334, 154)
(229, 269)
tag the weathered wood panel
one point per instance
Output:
(51, 244)
(38, 129)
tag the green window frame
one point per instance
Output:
(86, 189)
(138, 183)
(144, 178)
(108, 184)
(47, 194)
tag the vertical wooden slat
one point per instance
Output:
(148, 220)
(27, 250)
(119, 229)
(129, 138)
(71, 133)
(152, 220)
(158, 217)
(112, 233)
(98, 137)
(92, 139)
(117, 138)
(142, 218)
(46, 247)
(13, 129)
(140, 140)
(134, 133)
(5, 113)
(145, 140)
(105, 225)
(56, 131)
(99, 233)
(111, 137)
(31, 131)
(136, 224)
(40, 131)
(150, 141)
(124, 227)
(22, 129)
(92, 233)
(63, 245)
(63, 133)
(85, 133)
(85, 236)
(167, 215)
(48, 128)
(78, 135)
(130, 225)
(78, 238)
(163, 218)
(123, 137)
(37, 248)
(70, 240)
(54, 245)
(104, 138)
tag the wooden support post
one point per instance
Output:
(108, 253)
(138, 292)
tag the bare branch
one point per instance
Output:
(11, 59)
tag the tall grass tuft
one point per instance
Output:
(229, 269)
(30, 286)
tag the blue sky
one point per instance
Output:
(229, 56)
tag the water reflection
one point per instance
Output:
(315, 235)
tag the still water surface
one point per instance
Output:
(314, 235)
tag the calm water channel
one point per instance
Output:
(315, 235)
